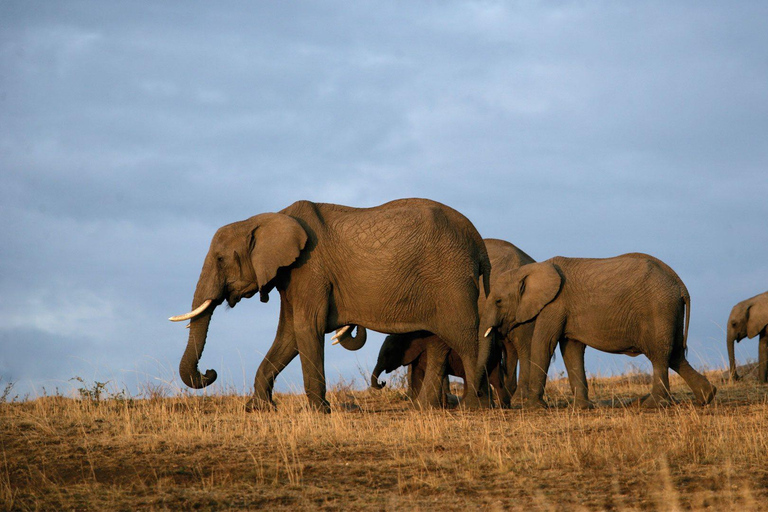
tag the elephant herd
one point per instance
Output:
(451, 302)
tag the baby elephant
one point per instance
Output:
(631, 304)
(412, 350)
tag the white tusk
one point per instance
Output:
(192, 314)
(335, 342)
(340, 333)
(187, 326)
(488, 332)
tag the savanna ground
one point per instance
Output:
(107, 451)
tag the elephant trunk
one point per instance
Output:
(209, 289)
(355, 342)
(190, 374)
(731, 356)
(375, 384)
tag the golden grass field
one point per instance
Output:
(206, 453)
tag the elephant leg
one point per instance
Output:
(702, 389)
(660, 395)
(546, 335)
(416, 377)
(497, 380)
(310, 340)
(573, 357)
(431, 394)
(507, 375)
(282, 352)
(762, 358)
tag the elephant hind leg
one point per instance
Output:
(660, 395)
(702, 389)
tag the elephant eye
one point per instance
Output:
(498, 302)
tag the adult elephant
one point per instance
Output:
(514, 344)
(748, 319)
(407, 265)
(631, 304)
(411, 350)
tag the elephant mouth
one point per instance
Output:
(234, 298)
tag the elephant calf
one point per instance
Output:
(631, 304)
(412, 350)
(748, 319)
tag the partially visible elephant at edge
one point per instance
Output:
(631, 304)
(412, 349)
(513, 343)
(748, 319)
(407, 265)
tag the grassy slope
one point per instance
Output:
(205, 452)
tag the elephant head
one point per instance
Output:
(396, 351)
(747, 319)
(243, 259)
(519, 296)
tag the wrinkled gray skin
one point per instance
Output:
(748, 319)
(631, 304)
(513, 343)
(411, 350)
(407, 265)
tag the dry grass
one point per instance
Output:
(207, 453)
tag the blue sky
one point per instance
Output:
(130, 132)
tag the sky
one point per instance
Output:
(129, 132)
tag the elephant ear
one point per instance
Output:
(538, 285)
(758, 318)
(275, 242)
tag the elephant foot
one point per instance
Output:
(535, 403)
(477, 402)
(654, 402)
(452, 400)
(707, 395)
(583, 404)
(425, 405)
(321, 406)
(259, 404)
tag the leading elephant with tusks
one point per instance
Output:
(407, 265)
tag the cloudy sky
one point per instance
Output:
(130, 132)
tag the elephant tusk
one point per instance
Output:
(488, 332)
(192, 314)
(340, 333)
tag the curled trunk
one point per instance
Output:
(188, 370)
(208, 288)
(375, 384)
(355, 342)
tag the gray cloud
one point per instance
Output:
(130, 134)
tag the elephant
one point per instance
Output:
(514, 344)
(748, 319)
(411, 350)
(630, 304)
(407, 265)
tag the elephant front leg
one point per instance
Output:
(310, 340)
(431, 394)
(282, 352)
(545, 337)
(762, 358)
(573, 357)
